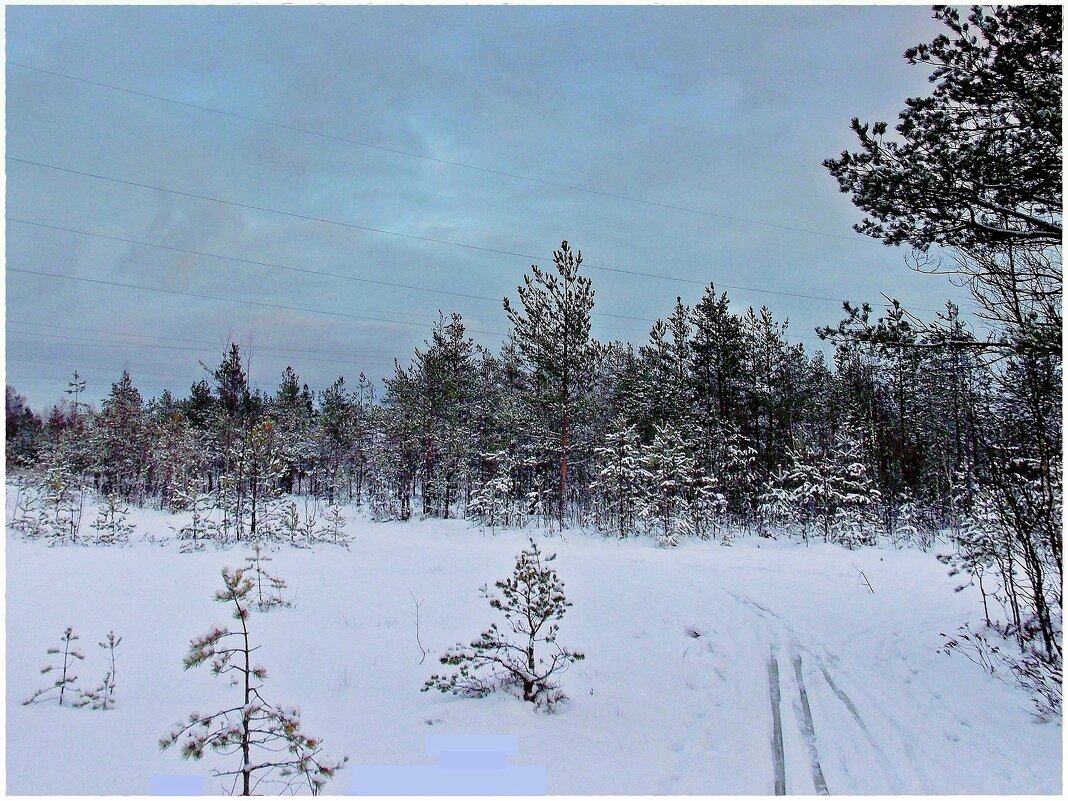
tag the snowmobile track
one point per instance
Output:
(777, 755)
(808, 731)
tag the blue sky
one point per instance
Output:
(729, 110)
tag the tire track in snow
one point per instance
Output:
(808, 731)
(894, 773)
(787, 631)
(778, 758)
(845, 699)
(912, 740)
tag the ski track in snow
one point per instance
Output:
(808, 730)
(888, 759)
(655, 709)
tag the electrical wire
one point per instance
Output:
(415, 237)
(436, 160)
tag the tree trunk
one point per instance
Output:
(563, 466)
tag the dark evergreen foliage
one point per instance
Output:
(527, 656)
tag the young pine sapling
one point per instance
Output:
(289, 521)
(268, 589)
(110, 524)
(268, 738)
(103, 697)
(199, 505)
(335, 526)
(532, 600)
(65, 683)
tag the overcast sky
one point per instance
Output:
(727, 110)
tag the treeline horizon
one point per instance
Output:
(725, 395)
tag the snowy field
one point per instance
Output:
(653, 710)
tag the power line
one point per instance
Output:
(359, 354)
(255, 383)
(266, 350)
(375, 356)
(204, 296)
(275, 266)
(289, 268)
(134, 373)
(21, 360)
(416, 237)
(256, 352)
(434, 159)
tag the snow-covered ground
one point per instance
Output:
(653, 710)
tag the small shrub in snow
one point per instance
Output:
(334, 530)
(300, 526)
(976, 647)
(309, 525)
(268, 590)
(289, 521)
(63, 496)
(27, 512)
(103, 697)
(532, 600)
(110, 524)
(64, 685)
(493, 501)
(620, 479)
(1030, 670)
(1041, 678)
(271, 747)
(199, 504)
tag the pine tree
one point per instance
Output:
(769, 387)
(63, 489)
(776, 509)
(532, 600)
(620, 477)
(979, 160)
(800, 496)
(389, 471)
(23, 431)
(231, 385)
(854, 497)
(717, 356)
(75, 387)
(267, 589)
(120, 441)
(110, 524)
(736, 458)
(831, 492)
(199, 505)
(335, 437)
(976, 167)
(64, 685)
(200, 407)
(493, 500)
(284, 755)
(292, 410)
(552, 334)
(177, 458)
(705, 504)
(665, 387)
(265, 468)
(335, 526)
(103, 696)
(668, 465)
(440, 387)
